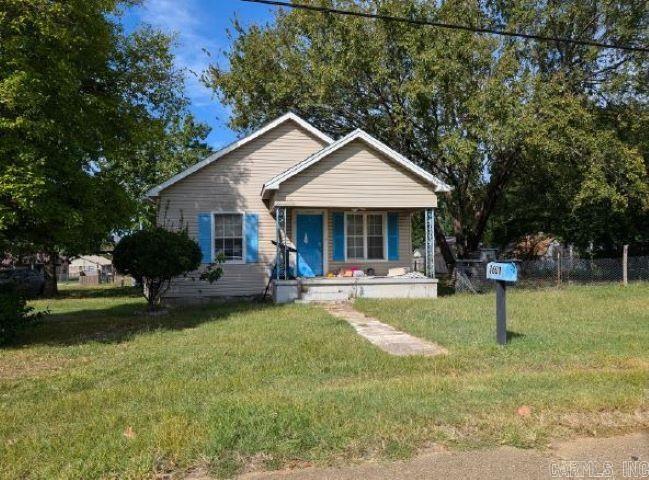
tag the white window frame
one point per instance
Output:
(385, 237)
(243, 237)
(363, 236)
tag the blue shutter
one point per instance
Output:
(205, 236)
(251, 231)
(339, 236)
(393, 236)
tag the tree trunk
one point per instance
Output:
(51, 288)
(444, 247)
(153, 290)
(493, 195)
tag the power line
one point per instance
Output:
(451, 26)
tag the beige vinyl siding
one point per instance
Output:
(356, 175)
(380, 267)
(233, 184)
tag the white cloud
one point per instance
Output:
(199, 25)
(186, 19)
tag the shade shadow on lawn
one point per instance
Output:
(120, 322)
(112, 292)
(514, 335)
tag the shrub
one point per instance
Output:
(154, 257)
(214, 271)
(15, 315)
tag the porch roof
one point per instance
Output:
(274, 183)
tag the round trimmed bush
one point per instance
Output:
(154, 257)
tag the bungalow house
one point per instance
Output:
(313, 217)
(90, 265)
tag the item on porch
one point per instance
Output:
(397, 272)
(330, 275)
(347, 272)
(358, 273)
(370, 272)
(413, 275)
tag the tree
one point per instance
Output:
(170, 139)
(154, 257)
(89, 117)
(603, 202)
(478, 111)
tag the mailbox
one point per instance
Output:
(502, 273)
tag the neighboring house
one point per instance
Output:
(345, 205)
(90, 265)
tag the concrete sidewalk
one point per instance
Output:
(386, 337)
(608, 458)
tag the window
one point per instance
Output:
(228, 236)
(365, 236)
(375, 238)
(355, 240)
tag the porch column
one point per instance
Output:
(429, 216)
(280, 238)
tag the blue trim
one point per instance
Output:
(393, 236)
(251, 232)
(309, 244)
(339, 236)
(504, 272)
(205, 237)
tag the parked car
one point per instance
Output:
(29, 282)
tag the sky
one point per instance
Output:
(200, 24)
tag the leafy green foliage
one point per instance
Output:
(90, 117)
(588, 184)
(490, 115)
(168, 139)
(15, 315)
(214, 271)
(166, 152)
(154, 257)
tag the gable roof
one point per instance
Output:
(96, 259)
(155, 191)
(275, 182)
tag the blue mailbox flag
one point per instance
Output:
(505, 272)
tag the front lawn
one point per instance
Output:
(97, 391)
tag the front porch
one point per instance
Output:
(343, 223)
(338, 254)
(323, 289)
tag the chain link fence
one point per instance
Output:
(95, 279)
(563, 269)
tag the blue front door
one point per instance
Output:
(309, 245)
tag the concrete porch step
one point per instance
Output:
(340, 289)
(323, 288)
(320, 296)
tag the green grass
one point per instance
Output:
(224, 387)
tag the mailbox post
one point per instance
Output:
(501, 312)
(502, 273)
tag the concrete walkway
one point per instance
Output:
(384, 336)
(608, 458)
